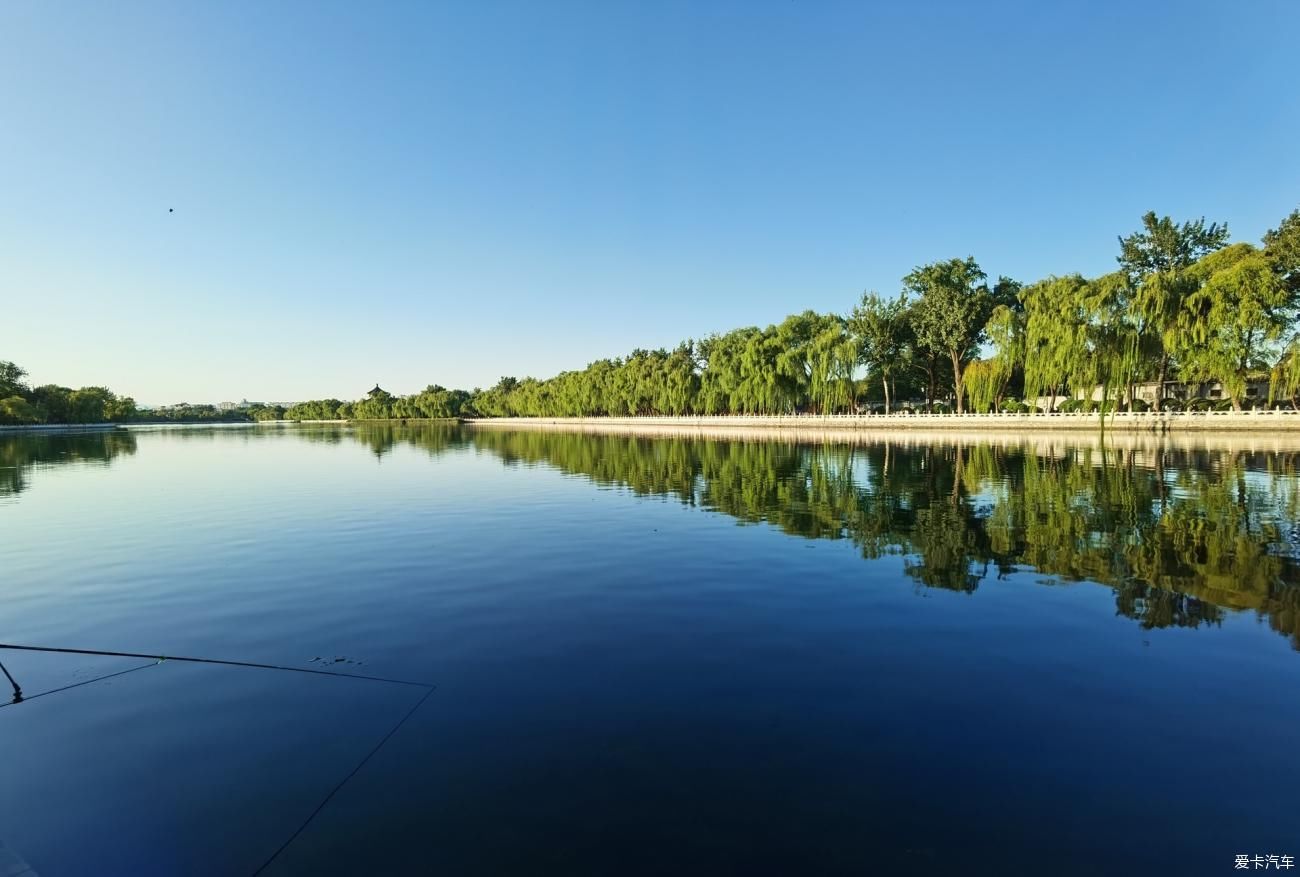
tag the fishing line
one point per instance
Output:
(159, 659)
(343, 782)
(19, 697)
(220, 662)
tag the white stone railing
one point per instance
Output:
(1285, 419)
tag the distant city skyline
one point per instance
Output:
(281, 202)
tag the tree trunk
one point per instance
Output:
(1160, 383)
(956, 380)
(885, 383)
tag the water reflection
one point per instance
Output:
(1181, 533)
(20, 454)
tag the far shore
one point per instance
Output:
(836, 426)
(1143, 422)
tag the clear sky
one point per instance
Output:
(448, 192)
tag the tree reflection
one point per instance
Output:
(21, 453)
(1179, 535)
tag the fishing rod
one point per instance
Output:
(18, 691)
(190, 660)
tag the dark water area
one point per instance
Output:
(651, 655)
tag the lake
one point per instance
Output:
(652, 655)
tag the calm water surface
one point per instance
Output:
(652, 655)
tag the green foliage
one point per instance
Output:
(882, 330)
(1284, 379)
(1282, 248)
(185, 412)
(1231, 318)
(261, 413)
(1056, 344)
(952, 306)
(12, 380)
(316, 409)
(16, 410)
(1156, 262)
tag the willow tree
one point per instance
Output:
(1056, 350)
(1233, 317)
(1156, 260)
(986, 379)
(832, 356)
(805, 359)
(1115, 350)
(953, 303)
(881, 330)
(1284, 379)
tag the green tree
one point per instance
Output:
(15, 410)
(952, 305)
(986, 380)
(1156, 260)
(1282, 248)
(1231, 319)
(881, 329)
(11, 380)
(54, 402)
(1056, 343)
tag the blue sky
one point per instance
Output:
(419, 193)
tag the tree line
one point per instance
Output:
(22, 405)
(1184, 303)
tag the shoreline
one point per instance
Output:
(883, 424)
(62, 427)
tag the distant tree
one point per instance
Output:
(120, 409)
(15, 410)
(54, 402)
(11, 380)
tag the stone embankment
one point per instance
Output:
(1149, 422)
